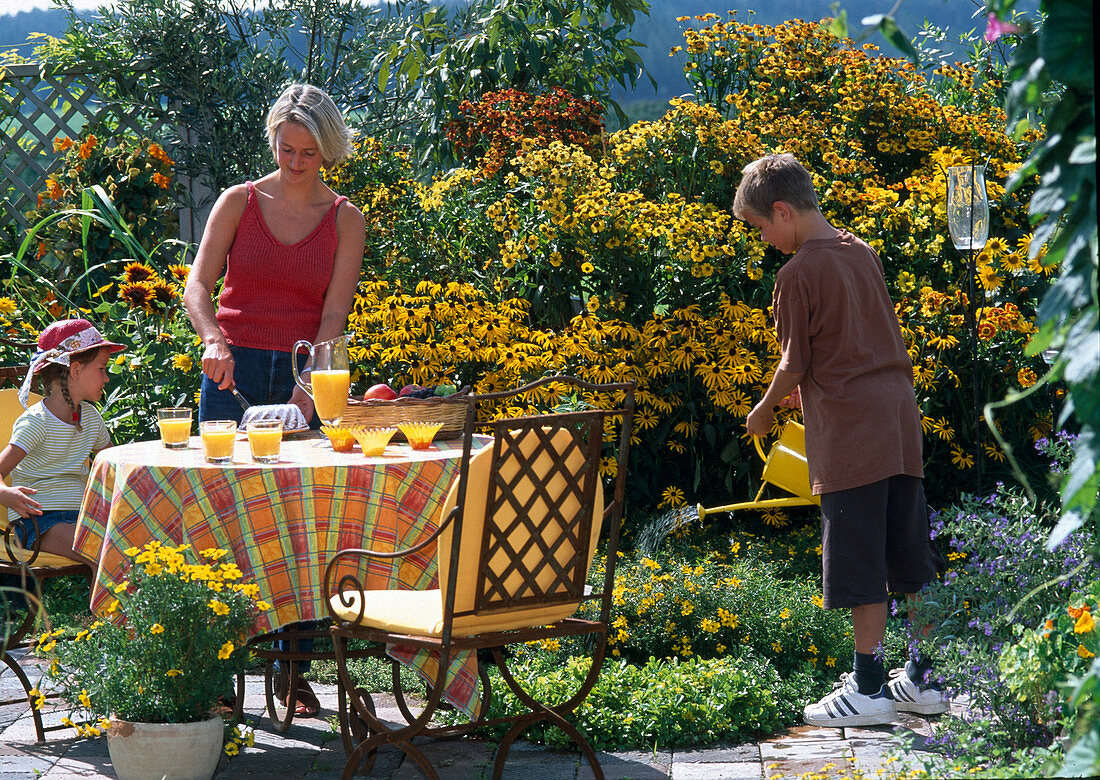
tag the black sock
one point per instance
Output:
(870, 673)
(917, 668)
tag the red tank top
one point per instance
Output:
(274, 292)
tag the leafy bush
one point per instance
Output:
(659, 703)
(136, 174)
(998, 562)
(1039, 664)
(677, 607)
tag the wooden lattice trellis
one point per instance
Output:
(38, 105)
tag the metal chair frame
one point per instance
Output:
(496, 589)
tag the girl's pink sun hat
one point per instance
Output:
(58, 343)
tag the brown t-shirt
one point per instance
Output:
(836, 322)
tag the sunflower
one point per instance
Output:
(134, 273)
(179, 272)
(137, 295)
(164, 293)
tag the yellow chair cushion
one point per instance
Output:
(421, 612)
(43, 561)
(10, 409)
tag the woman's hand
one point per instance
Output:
(18, 498)
(217, 363)
(302, 400)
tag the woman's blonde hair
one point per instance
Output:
(772, 178)
(313, 109)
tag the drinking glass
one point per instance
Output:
(330, 378)
(967, 206)
(265, 438)
(175, 426)
(218, 440)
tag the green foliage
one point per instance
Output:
(998, 565)
(1043, 659)
(139, 306)
(136, 174)
(171, 645)
(658, 703)
(1063, 211)
(707, 607)
(452, 55)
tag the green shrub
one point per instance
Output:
(660, 703)
(679, 607)
(992, 591)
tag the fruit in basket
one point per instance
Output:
(409, 390)
(445, 390)
(380, 391)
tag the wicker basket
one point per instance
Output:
(376, 413)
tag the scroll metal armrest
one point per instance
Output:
(351, 582)
(12, 543)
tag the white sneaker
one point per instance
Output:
(846, 706)
(913, 697)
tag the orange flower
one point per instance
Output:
(62, 144)
(1075, 612)
(161, 180)
(87, 147)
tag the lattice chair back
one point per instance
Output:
(531, 520)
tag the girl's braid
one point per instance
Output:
(63, 380)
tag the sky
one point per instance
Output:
(15, 6)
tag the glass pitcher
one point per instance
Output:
(330, 378)
(967, 206)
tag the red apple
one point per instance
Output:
(409, 390)
(382, 392)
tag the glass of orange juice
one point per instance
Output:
(264, 437)
(218, 439)
(175, 426)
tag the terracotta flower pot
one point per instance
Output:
(168, 751)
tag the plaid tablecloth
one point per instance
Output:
(281, 522)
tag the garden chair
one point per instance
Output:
(516, 537)
(28, 569)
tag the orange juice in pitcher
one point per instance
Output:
(329, 379)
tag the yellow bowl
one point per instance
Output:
(420, 435)
(341, 439)
(373, 441)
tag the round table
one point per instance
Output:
(281, 522)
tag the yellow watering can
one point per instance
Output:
(785, 467)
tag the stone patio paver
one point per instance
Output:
(312, 750)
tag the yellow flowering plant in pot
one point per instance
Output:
(168, 650)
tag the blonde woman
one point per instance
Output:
(290, 250)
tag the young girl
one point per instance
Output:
(47, 456)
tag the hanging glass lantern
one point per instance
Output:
(967, 206)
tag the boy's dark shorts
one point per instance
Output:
(875, 540)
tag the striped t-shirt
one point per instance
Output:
(56, 463)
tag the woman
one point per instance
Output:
(290, 250)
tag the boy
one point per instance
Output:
(844, 360)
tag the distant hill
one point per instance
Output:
(660, 31)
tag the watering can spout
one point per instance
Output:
(785, 467)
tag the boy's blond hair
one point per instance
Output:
(771, 178)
